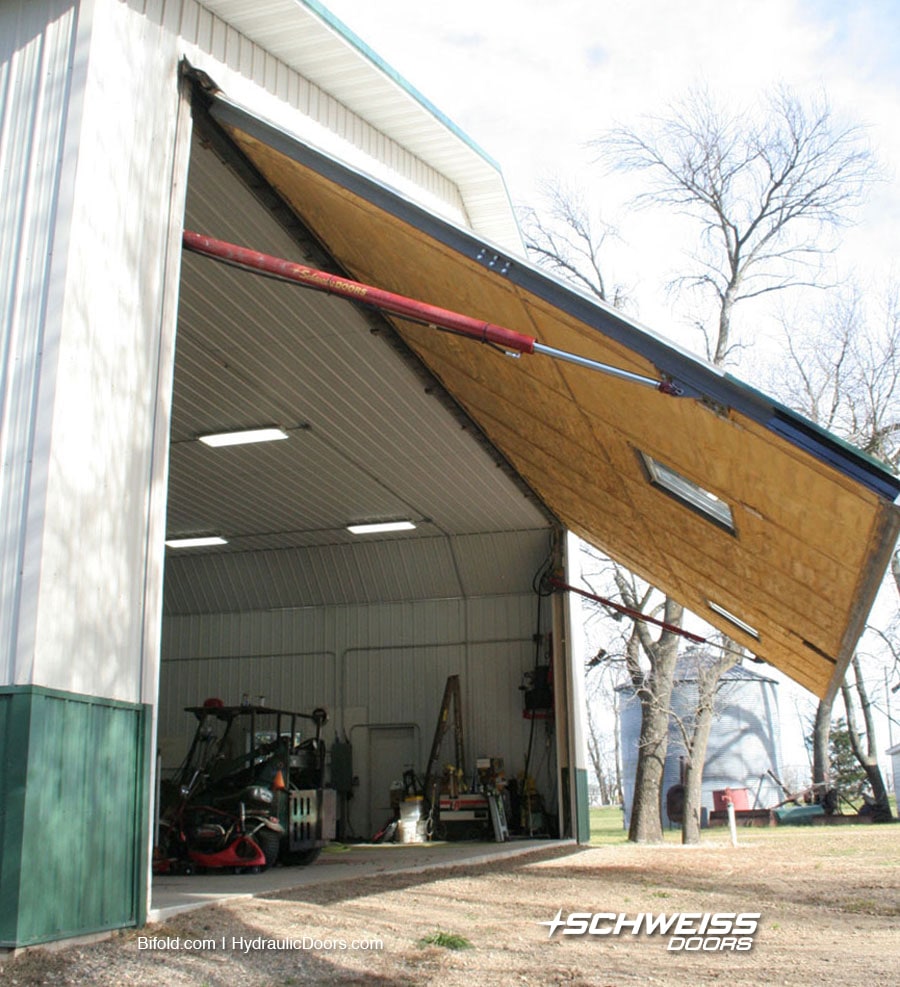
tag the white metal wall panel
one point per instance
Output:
(370, 666)
(36, 45)
(397, 684)
(499, 657)
(88, 551)
(391, 571)
(398, 570)
(500, 562)
(283, 680)
(498, 726)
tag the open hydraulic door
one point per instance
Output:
(758, 521)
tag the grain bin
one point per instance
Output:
(744, 742)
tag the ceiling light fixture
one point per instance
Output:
(201, 541)
(378, 527)
(247, 435)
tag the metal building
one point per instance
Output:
(125, 122)
(744, 741)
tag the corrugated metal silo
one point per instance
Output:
(744, 742)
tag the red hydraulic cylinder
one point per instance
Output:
(486, 332)
(387, 301)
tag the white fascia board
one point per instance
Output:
(306, 37)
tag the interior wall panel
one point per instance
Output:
(371, 666)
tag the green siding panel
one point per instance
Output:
(74, 780)
(13, 727)
(577, 823)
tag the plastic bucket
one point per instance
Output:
(411, 828)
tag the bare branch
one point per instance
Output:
(843, 369)
(761, 187)
(568, 241)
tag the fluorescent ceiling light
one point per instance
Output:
(196, 542)
(218, 439)
(377, 527)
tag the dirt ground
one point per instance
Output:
(828, 900)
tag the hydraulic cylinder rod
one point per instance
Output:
(627, 611)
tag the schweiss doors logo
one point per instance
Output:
(687, 931)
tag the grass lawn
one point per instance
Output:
(607, 828)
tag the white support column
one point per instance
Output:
(95, 432)
(94, 139)
(568, 680)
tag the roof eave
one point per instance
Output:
(308, 38)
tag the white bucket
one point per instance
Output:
(411, 828)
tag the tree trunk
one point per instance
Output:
(881, 805)
(619, 791)
(709, 676)
(693, 774)
(656, 700)
(723, 336)
(868, 755)
(821, 767)
(646, 820)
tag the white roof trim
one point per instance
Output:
(305, 36)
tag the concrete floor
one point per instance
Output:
(172, 894)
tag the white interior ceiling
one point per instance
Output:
(371, 436)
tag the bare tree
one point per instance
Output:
(650, 651)
(866, 752)
(843, 368)
(821, 762)
(759, 188)
(653, 686)
(843, 372)
(602, 681)
(708, 672)
(568, 240)
(632, 655)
